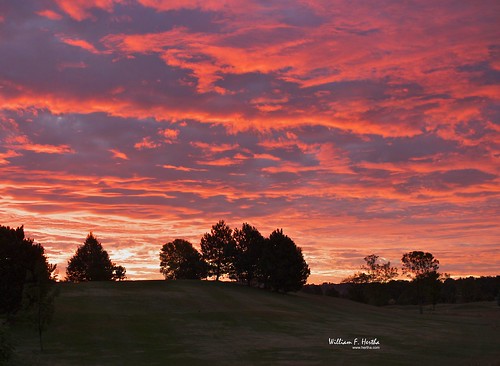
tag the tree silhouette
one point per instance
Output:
(218, 248)
(6, 348)
(249, 246)
(180, 260)
(431, 286)
(422, 267)
(21, 262)
(375, 272)
(26, 281)
(39, 296)
(119, 273)
(282, 265)
(378, 272)
(91, 263)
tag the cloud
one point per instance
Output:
(80, 43)
(358, 88)
(183, 168)
(118, 155)
(82, 9)
(50, 14)
(170, 135)
(22, 142)
(4, 157)
(347, 126)
(146, 143)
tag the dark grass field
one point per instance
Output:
(207, 323)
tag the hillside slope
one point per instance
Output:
(201, 322)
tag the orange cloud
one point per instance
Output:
(350, 55)
(219, 162)
(80, 9)
(170, 135)
(266, 157)
(22, 142)
(49, 149)
(7, 155)
(146, 143)
(118, 154)
(214, 149)
(183, 168)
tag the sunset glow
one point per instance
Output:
(357, 127)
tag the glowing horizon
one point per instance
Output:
(358, 129)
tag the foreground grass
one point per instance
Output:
(200, 323)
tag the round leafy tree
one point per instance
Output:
(423, 268)
(180, 260)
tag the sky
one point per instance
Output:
(367, 127)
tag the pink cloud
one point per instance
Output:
(87, 46)
(207, 5)
(50, 14)
(71, 65)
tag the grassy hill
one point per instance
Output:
(201, 323)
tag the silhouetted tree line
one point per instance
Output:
(243, 255)
(443, 290)
(325, 289)
(376, 284)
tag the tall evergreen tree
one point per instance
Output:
(91, 263)
(282, 266)
(217, 249)
(249, 246)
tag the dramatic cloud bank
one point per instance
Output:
(358, 128)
